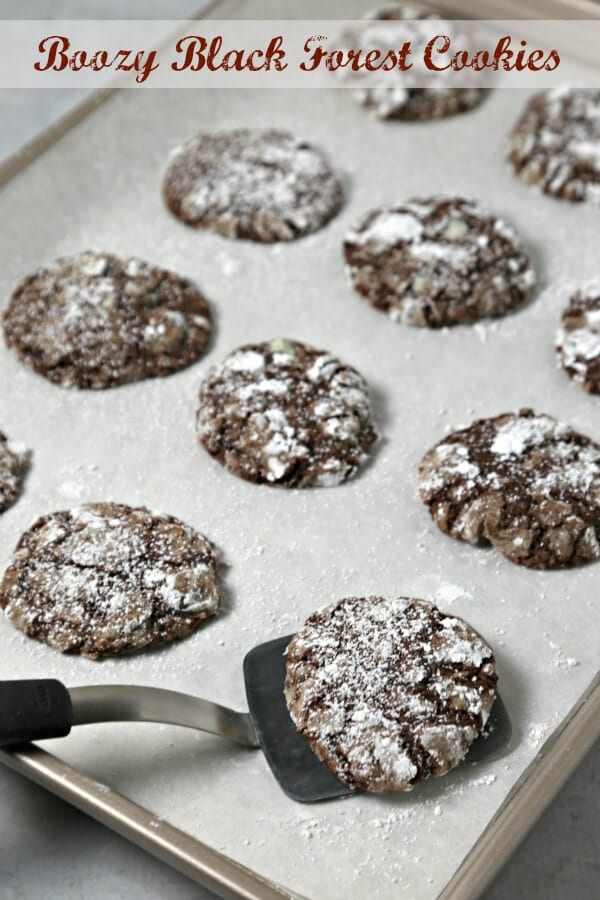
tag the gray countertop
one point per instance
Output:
(51, 850)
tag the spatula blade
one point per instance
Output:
(300, 773)
(495, 737)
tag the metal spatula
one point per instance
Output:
(39, 709)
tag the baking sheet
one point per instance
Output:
(288, 552)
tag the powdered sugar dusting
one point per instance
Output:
(389, 227)
(97, 321)
(438, 261)
(389, 692)
(13, 465)
(245, 361)
(518, 435)
(263, 185)
(105, 579)
(392, 95)
(556, 143)
(578, 341)
(285, 413)
(527, 483)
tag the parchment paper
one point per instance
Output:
(289, 552)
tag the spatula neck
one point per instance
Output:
(130, 703)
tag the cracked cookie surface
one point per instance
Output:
(262, 185)
(284, 413)
(578, 341)
(525, 483)
(13, 466)
(438, 261)
(97, 321)
(107, 579)
(389, 691)
(555, 144)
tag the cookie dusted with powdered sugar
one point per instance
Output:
(555, 144)
(97, 321)
(524, 482)
(107, 579)
(402, 24)
(389, 692)
(13, 466)
(261, 185)
(438, 261)
(578, 341)
(284, 413)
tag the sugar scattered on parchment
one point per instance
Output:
(483, 330)
(536, 733)
(561, 660)
(448, 593)
(484, 780)
(228, 264)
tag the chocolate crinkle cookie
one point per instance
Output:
(107, 579)
(524, 482)
(556, 143)
(401, 101)
(14, 460)
(263, 185)
(284, 413)
(578, 341)
(97, 321)
(438, 261)
(389, 692)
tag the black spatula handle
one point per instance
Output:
(33, 710)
